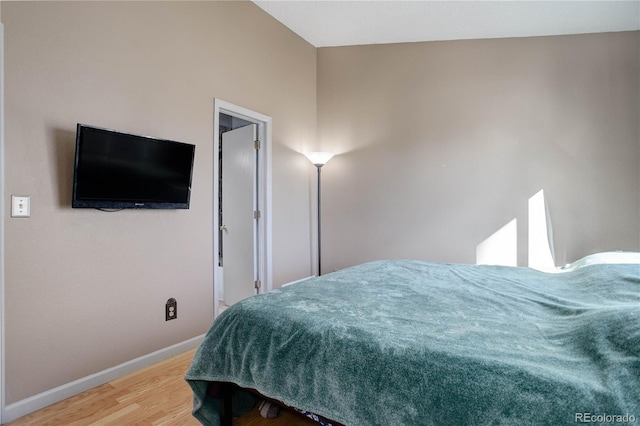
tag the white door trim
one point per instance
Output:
(2, 219)
(264, 196)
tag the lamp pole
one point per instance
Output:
(319, 159)
(319, 167)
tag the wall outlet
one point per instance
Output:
(171, 310)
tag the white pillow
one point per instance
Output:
(618, 257)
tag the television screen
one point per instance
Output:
(116, 170)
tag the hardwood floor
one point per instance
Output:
(157, 395)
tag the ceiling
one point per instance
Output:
(325, 23)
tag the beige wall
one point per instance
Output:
(85, 290)
(443, 143)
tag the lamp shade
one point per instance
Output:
(319, 158)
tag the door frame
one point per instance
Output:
(2, 225)
(264, 262)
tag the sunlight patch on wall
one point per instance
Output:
(501, 248)
(541, 254)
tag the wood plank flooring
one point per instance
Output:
(157, 395)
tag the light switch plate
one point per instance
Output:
(20, 206)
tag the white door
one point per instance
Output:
(238, 204)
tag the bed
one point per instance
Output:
(407, 342)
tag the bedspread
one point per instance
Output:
(418, 343)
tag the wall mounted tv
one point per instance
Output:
(116, 170)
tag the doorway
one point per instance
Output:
(242, 204)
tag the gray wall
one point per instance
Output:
(85, 290)
(443, 143)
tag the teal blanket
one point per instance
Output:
(416, 343)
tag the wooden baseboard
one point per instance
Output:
(44, 399)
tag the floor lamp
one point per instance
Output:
(319, 159)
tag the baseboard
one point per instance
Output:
(297, 281)
(44, 399)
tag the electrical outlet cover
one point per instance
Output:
(171, 310)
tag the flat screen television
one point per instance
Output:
(115, 170)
